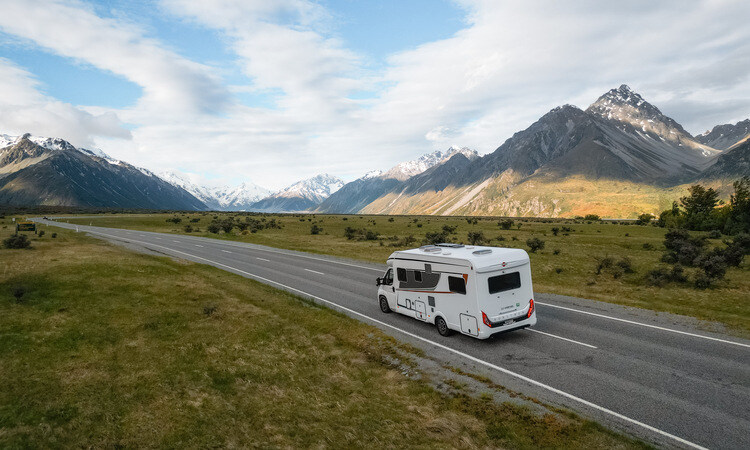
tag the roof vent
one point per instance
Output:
(430, 248)
(444, 244)
(485, 251)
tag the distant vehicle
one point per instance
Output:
(477, 291)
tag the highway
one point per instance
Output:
(649, 375)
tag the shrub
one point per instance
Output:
(17, 241)
(555, 230)
(602, 263)
(558, 269)
(505, 224)
(500, 238)
(432, 238)
(390, 219)
(188, 228)
(195, 220)
(713, 265)
(450, 229)
(174, 220)
(315, 229)
(714, 234)
(556, 251)
(18, 293)
(54, 235)
(591, 217)
(625, 264)
(644, 219)
(213, 227)
(41, 233)
(476, 238)
(535, 244)
(648, 246)
(702, 281)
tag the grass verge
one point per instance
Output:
(108, 348)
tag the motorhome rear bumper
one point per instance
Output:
(520, 322)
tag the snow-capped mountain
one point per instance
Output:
(80, 177)
(300, 196)
(355, 195)
(224, 198)
(405, 170)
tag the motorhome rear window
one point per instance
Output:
(507, 282)
(401, 274)
(457, 285)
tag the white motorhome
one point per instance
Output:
(478, 291)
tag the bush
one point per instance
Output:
(702, 281)
(432, 238)
(602, 263)
(174, 220)
(476, 238)
(188, 228)
(213, 227)
(17, 241)
(506, 224)
(714, 234)
(648, 246)
(555, 230)
(41, 233)
(195, 220)
(450, 229)
(535, 244)
(713, 265)
(644, 219)
(592, 217)
(315, 229)
(556, 251)
(54, 235)
(390, 219)
(662, 275)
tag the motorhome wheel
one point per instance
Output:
(384, 305)
(442, 327)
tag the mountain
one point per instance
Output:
(227, 198)
(300, 196)
(357, 194)
(722, 137)
(620, 155)
(52, 172)
(730, 165)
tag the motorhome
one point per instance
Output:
(475, 290)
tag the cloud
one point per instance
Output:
(23, 109)
(511, 63)
(72, 29)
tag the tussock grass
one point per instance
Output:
(572, 271)
(108, 348)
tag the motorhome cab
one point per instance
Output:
(478, 291)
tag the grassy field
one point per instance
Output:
(102, 347)
(566, 265)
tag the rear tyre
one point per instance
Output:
(442, 327)
(384, 305)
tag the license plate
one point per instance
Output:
(508, 322)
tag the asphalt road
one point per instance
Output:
(654, 376)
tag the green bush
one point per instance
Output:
(17, 241)
(535, 244)
(476, 238)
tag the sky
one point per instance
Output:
(271, 92)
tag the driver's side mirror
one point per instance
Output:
(378, 281)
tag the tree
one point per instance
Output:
(739, 208)
(699, 207)
(535, 244)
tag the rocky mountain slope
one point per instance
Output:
(300, 196)
(722, 137)
(52, 172)
(564, 162)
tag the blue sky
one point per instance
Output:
(272, 92)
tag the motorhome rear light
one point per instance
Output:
(531, 308)
(486, 320)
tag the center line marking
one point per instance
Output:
(444, 347)
(176, 242)
(142, 235)
(226, 251)
(560, 337)
(198, 245)
(157, 238)
(315, 271)
(263, 259)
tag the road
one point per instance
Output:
(649, 375)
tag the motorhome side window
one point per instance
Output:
(507, 282)
(401, 274)
(457, 285)
(417, 276)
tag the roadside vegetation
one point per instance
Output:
(615, 261)
(103, 347)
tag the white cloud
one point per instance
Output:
(23, 109)
(510, 64)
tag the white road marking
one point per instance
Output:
(176, 242)
(157, 238)
(560, 337)
(315, 271)
(646, 325)
(142, 235)
(198, 245)
(263, 259)
(446, 348)
(226, 251)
